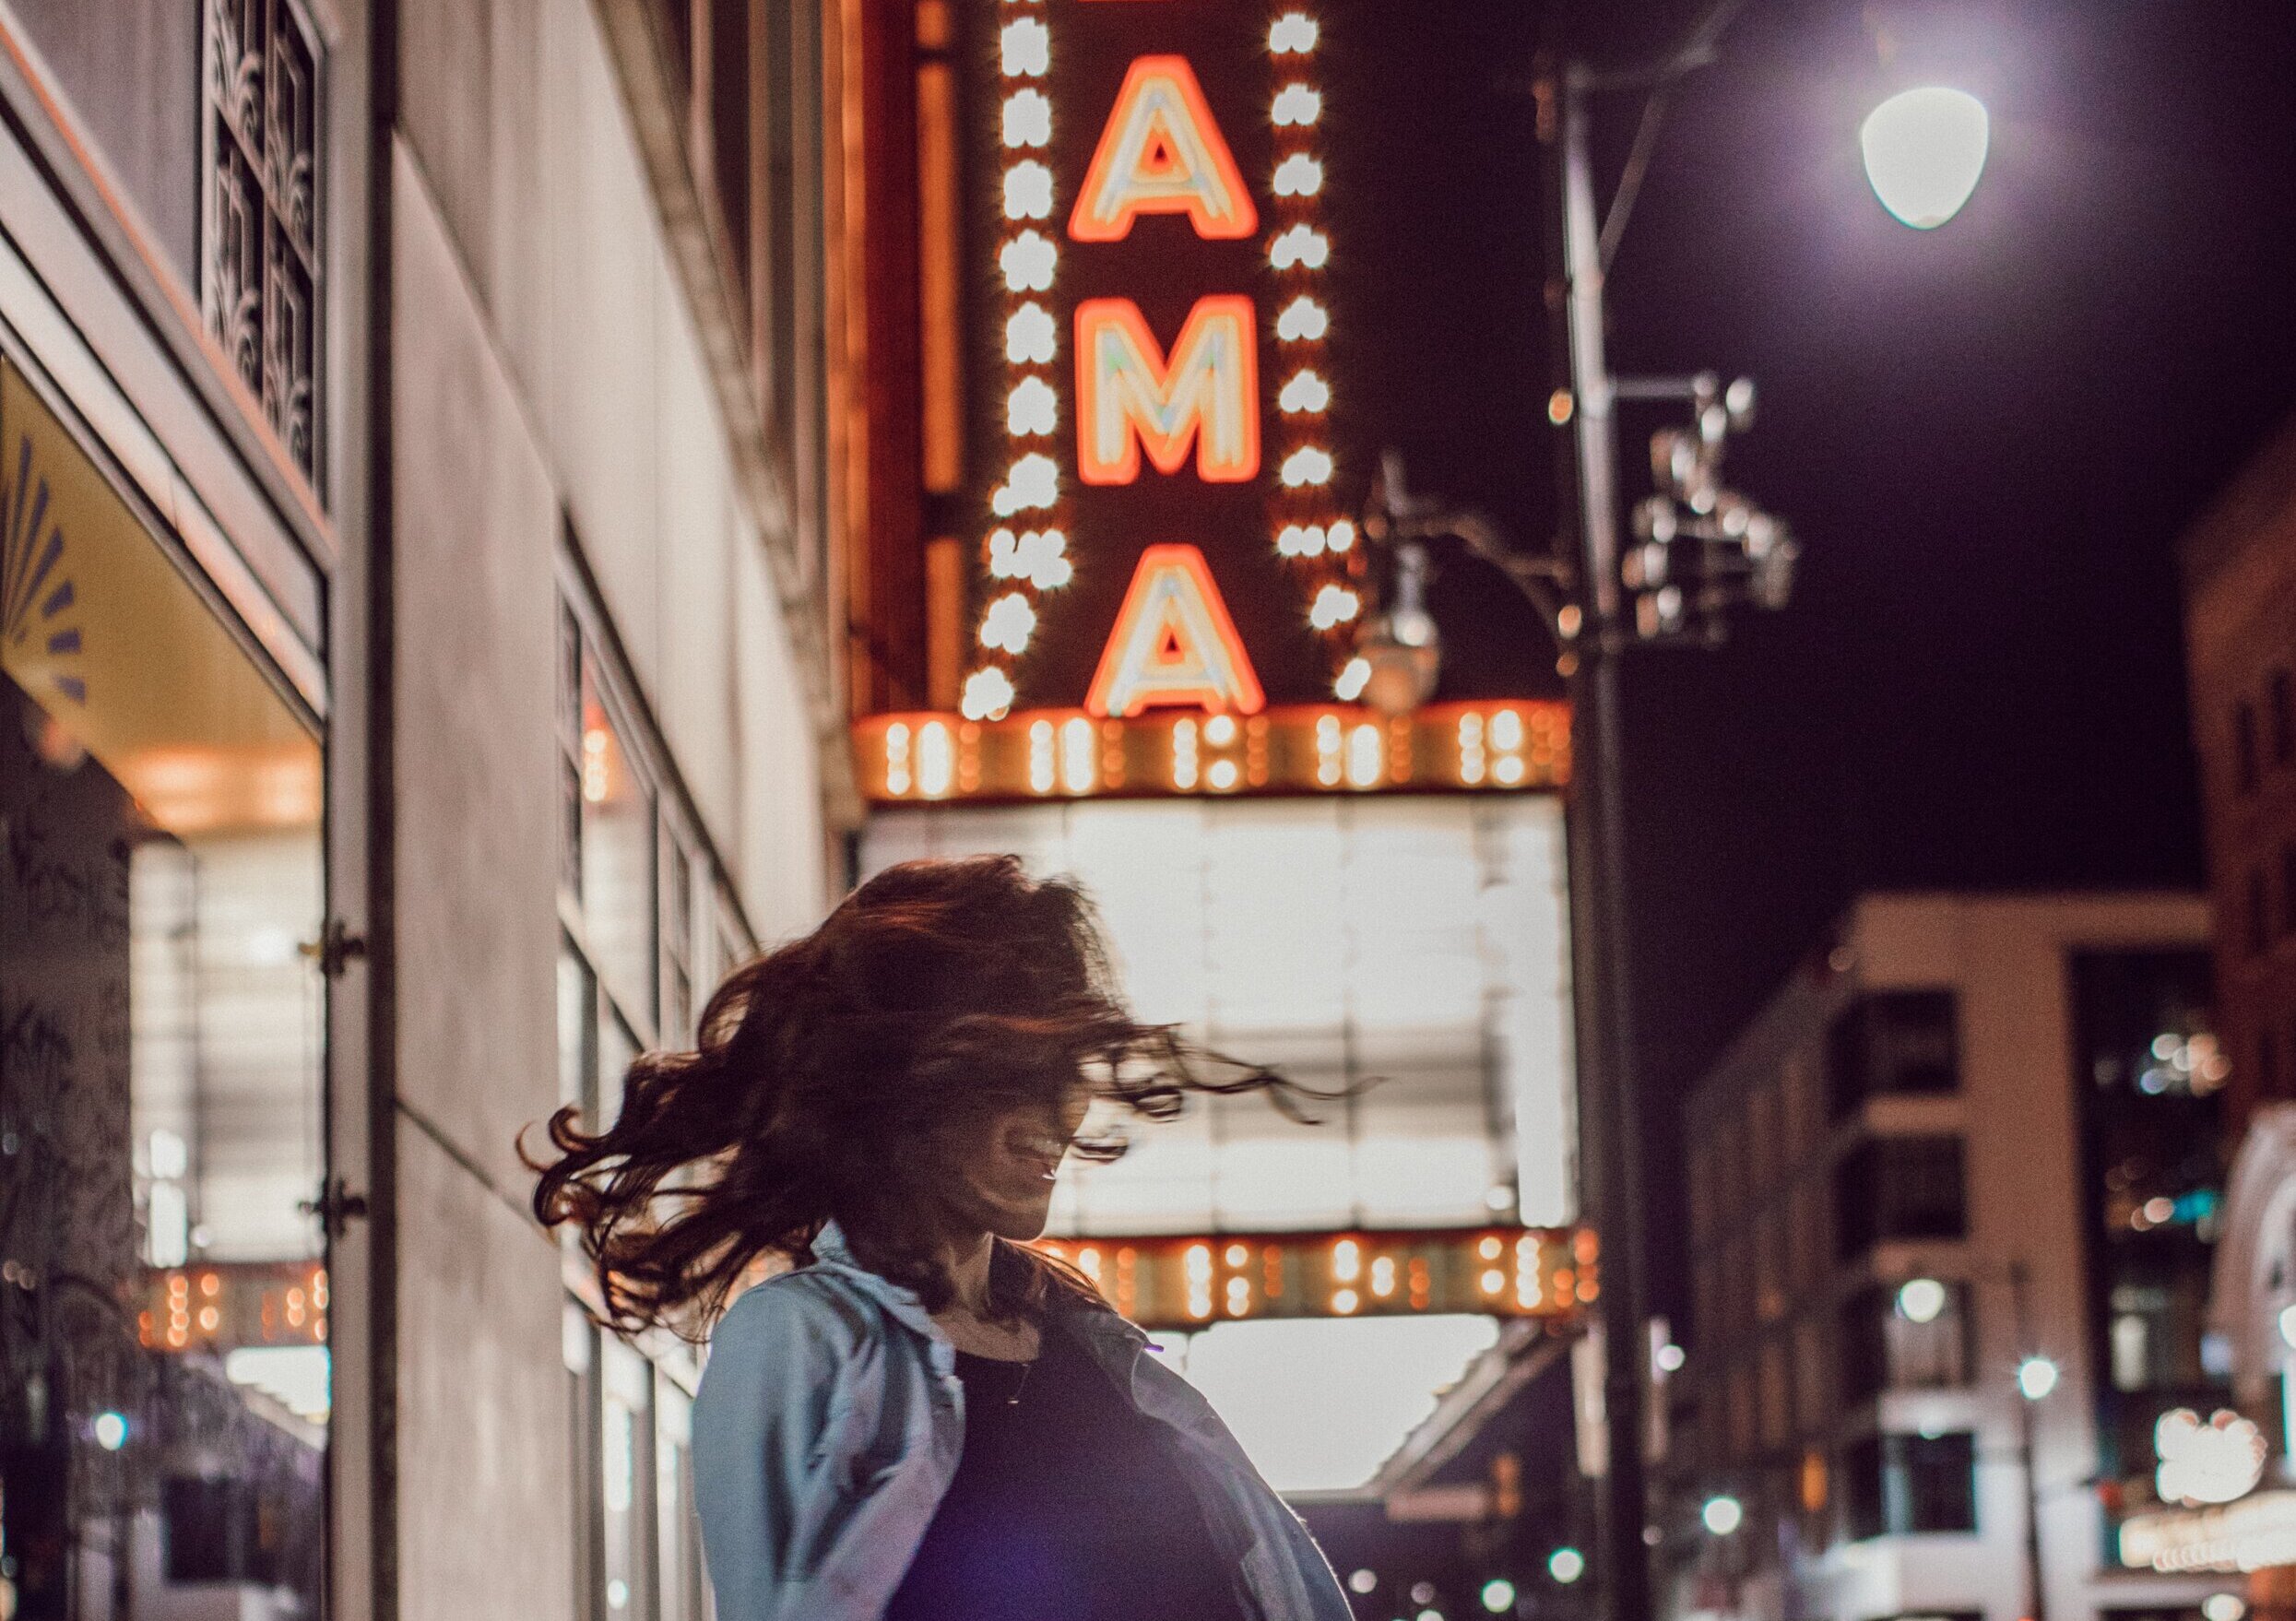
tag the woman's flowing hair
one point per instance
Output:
(833, 1077)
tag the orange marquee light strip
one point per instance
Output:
(229, 1305)
(1167, 1283)
(1162, 152)
(931, 758)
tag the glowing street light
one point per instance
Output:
(1566, 1565)
(1920, 1300)
(1722, 1515)
(1498, 1595)
(2036, 1376)
(1924, 150)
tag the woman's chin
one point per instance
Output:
(1022, 1220)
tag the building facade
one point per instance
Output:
(1954, 1195)
(419, 594)
(2240, 624)
(2240, 630)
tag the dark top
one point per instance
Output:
(1067, 1505)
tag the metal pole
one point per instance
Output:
(1607, 1113)
(2037, 1602)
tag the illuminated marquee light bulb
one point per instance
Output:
(1028, 191)
(1305, 392)
(1031, 407)
(1306, 465)
(1296, 106)
(1351, 680)
(1042, 556)
(936, 760)
(1079, 755)
(1340, 536)
(1035, 555)
(1366, 764)
(1033, 481)
(1298, 246)
(1008, 625)
(1040, 757)
(1298, 176)
(1031, 334)
(1028, 262)
(1328, 750)
(1299, 540)
(1302, 320)
(1294, 34)
(1027, 119)
(1334, 605)
(987, 694)
(1184, 754)
(1472, 760)
(1026, 48)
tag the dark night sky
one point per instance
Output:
(1987, 437)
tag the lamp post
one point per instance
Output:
(1700, 550)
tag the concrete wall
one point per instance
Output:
(546, 379)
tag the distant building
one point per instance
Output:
(1971, 1149)
(2240, 622)
(2240, 626)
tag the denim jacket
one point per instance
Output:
(829, 1423)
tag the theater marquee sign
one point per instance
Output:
(1166, 581)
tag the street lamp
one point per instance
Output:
(1924, 150)
(1722, 1515)
(2036, 1376)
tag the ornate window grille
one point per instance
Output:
(260, 274)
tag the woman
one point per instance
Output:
(925, 1420)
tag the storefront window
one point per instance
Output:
(2150, 1113)
(164, 1376)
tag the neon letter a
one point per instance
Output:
(1128, 395)
(1174, 643)
(1161, 153)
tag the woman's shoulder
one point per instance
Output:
(803, 1311)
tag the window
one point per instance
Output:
(1898, 1188)
(645, 925)
(625, 1506)
(260, 281)
(1909, 1485)
(2244, 746)
(683, 1583)
(1892, 1042)
(2283, 718)
(678, 978)
(1809, 1377)
(2151, 1124)
(1777, 1399)
(1884, 1347)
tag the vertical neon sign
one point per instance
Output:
(1159, 394)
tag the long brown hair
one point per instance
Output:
(830, 1074)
